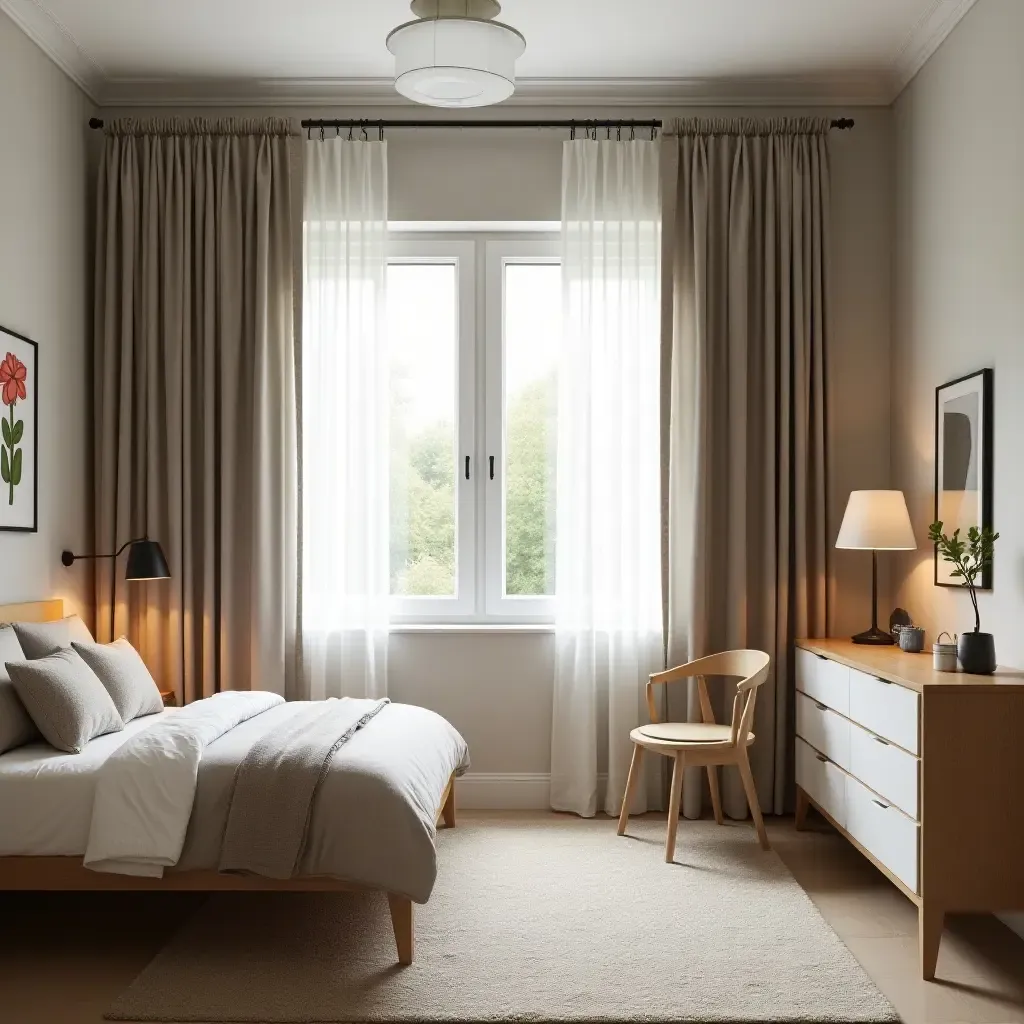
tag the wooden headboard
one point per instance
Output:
(32, 611)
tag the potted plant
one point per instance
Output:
(976, 650)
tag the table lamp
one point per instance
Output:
(876, 521)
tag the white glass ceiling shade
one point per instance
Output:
(456, 62)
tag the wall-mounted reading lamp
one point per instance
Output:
(145, 560)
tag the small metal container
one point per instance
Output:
(944, 655)
(911, 639)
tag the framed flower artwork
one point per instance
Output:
(19, 432)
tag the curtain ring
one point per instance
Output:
(309, 133)
(632, 133)
(321, 133)
(366, 138)
(337, 131)
(608, 134)
(618, 133)
(572, 132)
(654, 132)
(380, 129)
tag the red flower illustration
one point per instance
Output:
(12, 377)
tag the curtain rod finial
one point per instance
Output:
(95, 122)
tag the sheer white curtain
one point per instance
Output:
(609, 633)
(345, 404)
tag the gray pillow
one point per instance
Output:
(66, 700)
(38, 639)
(16, 727)
(124, 674)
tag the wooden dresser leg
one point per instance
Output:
(448, 810)
(402, 922)
(803, 805)
(930, 922)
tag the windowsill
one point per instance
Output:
(477, 628)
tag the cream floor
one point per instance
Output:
(63, 959)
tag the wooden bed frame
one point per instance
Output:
(67, 874)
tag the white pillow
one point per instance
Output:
(38, 639)
(125, 677)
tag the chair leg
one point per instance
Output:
(748, 787)
(716, 798)
(678, 769)
(634, 774)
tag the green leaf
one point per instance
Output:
(7, 432)
(5, 466)
(16, 469)
(19, 431)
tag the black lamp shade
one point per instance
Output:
(146, 562)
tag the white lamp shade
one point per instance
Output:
(456, 62)
(876, 521)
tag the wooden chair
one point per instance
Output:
(704, 743)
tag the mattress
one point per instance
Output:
(46, 795)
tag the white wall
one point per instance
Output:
(959, 298)
(497, 689)
(44, 285)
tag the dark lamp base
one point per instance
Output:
(877, 637)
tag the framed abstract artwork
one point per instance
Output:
(963, 463)
(19, 433)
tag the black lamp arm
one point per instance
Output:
(68, 558)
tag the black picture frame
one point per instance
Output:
(23, 340)
(982, 384)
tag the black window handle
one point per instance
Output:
(491, 460)
(467, 467)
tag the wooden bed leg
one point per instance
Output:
(402, 922)
(448, 810)
(802, 807)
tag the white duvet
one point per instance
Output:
(146, 788)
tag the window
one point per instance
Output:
(473, 330)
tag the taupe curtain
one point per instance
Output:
(195, 398)
(746, 337)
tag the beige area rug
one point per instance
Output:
(545, 920)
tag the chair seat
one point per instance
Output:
(685, 733)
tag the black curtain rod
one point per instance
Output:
(839, 123)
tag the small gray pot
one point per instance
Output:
(977, 653)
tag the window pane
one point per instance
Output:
(532, 330)
(423, 338)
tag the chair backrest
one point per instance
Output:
(750, 666)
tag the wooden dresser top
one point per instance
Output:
(913, 671)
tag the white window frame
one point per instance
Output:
(461, 607)
(498, 605)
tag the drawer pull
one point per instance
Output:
(884, 806)
(888, 682)
(821, 757)
(821, 657)
(820, 707)
(878, 739)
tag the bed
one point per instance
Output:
(50, 802)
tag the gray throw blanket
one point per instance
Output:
(277, 781)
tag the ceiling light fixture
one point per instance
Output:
(455, 54)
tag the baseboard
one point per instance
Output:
(499, 791)
(511, 791)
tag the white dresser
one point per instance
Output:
(922, 771)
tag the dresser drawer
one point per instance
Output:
(823, 781)
(884, 768)
(825, 730)
(887, 709)
(884, 830)
(825, 681)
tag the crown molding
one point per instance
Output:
(925, 38)
(854, 90)
(57, 43)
